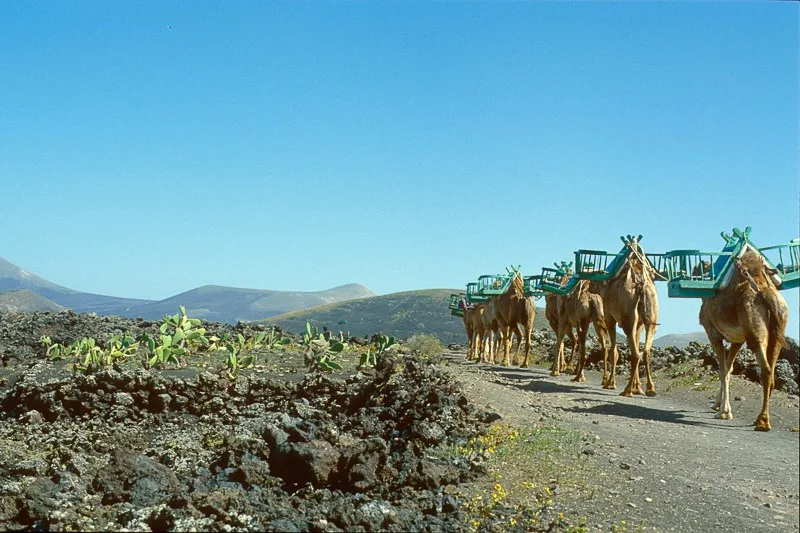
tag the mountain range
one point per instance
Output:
(210, 302)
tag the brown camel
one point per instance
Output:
(630, 300)
(495, 328)
(477, 329)
(517, 312)
(749, 309)
(468, 325)
(577, 310)
(551, 313)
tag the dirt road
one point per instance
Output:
(662, 463)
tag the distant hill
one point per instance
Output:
(230, 304)
(401, 314)
(211, 302)
(680, 340)
(13, 277)
(26, 301)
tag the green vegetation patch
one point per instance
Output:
(689, 375)
(528, 469)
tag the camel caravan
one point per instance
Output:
(493, 309)
(739, 288)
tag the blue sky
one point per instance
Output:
(147, 148)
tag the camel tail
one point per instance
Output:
(645, 308)
(596, 304)
(777, 321)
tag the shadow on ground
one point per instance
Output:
(539, 380)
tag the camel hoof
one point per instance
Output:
(555, 373)
(626, 393)
(761, 428)
(610, 386)
(724, 416)
(650, 393)
(579, 379)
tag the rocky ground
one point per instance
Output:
(417, 443)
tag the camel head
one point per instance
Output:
(518, 284)
(636, 257)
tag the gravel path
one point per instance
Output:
(664, 463)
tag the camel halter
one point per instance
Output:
(745, 274)
(646, 262)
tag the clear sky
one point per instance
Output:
(147, 148)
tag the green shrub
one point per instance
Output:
(425, 345)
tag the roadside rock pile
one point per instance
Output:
(128, 448)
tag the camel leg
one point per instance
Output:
(507, 340)
(506, 343)
(528, 333)
(583, 329)
(498, 343)
(569, 367)
(634, 385)
(520, 335)
(723, 401)
(471, 350)
(601, 335)
(649, 333)
(767, 365)
(559, 359)
(610, 382)
(495, 346)
(725, 371)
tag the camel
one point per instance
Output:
(517, 312)
(495, 328)
(551, 313)
(477, 331)
(748, 310)
(578, 309)
(468, 325)
(630, 300)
